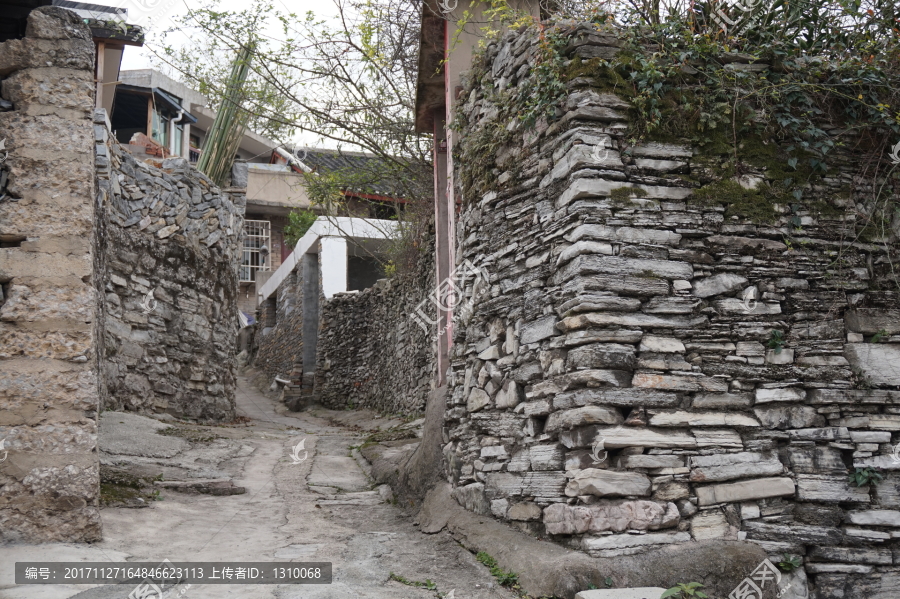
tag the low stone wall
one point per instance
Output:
(646, 364)
(49, 313)
(279, 332)
(372, 353)
(172, 250)
(369, 350)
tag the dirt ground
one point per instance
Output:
(319, 507)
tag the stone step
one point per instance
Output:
(216, 486)
(632, 593)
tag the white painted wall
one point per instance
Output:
(333, 232)
(333, 265)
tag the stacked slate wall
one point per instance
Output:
(172, 249)
(279, 336)
(372, 351)
(49, 312)
(622, 387)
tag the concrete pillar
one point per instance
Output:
(333, 263)
(309, 269)
(186, 142)
(49, 308)
(443, 242)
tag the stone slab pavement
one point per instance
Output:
(322, 508)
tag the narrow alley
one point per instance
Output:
(322, 508)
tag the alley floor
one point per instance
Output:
(318, 507)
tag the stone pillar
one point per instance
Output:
(333, 262)
(49, 310)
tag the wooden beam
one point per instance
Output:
(98, 75)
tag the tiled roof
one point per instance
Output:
(371, 174)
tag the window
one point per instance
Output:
(194, 150)
(256, 249)
(179, 139)
(160, 128)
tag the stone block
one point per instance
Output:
(631, 593)
(64, 92)
(576, 417)
(625, 541)
(580, 378)
(626, 436)
(593, 264)
(785, 356)
(879, 363)
(477, 400)
(652, 343)
(615, 397)
(684, 418)
(524, 511)
(784, 417)
(711, 524)
(672, 382)
(722, 400)
(719, 284)
(601, 355)
(736, 307)
(579, 459)
(473, 498)
(870, 321)
(606, 483)
(615, 516)
(651, 461)
(875, 518)
(729, 466)
(747, 490)
(508, 396)
(723, 437)
(829, 489)
(787, 394)
(670, 305)
(542, 328)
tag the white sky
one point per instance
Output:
(155, 16)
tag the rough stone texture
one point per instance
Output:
(171, 250)
(370, 351)
(49, 314)
(647, 296)
(86, 235)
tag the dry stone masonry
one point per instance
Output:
(648, 371)
(117, 285)
(372, 352)
(172, 250)
(369, 350)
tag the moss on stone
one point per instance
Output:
(622, 195)
(754, 204)
(607, 78)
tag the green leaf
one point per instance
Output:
(670, 593)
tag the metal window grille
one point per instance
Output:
(257, 235)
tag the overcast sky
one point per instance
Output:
(158, 15)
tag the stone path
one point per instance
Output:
(321, 509)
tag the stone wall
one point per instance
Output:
(369, 350)
(372, 353)
(279, 332)
(49, 313)
(627, 375)
(172, 249)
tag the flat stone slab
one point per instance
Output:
(635, 593)
(122, 433)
